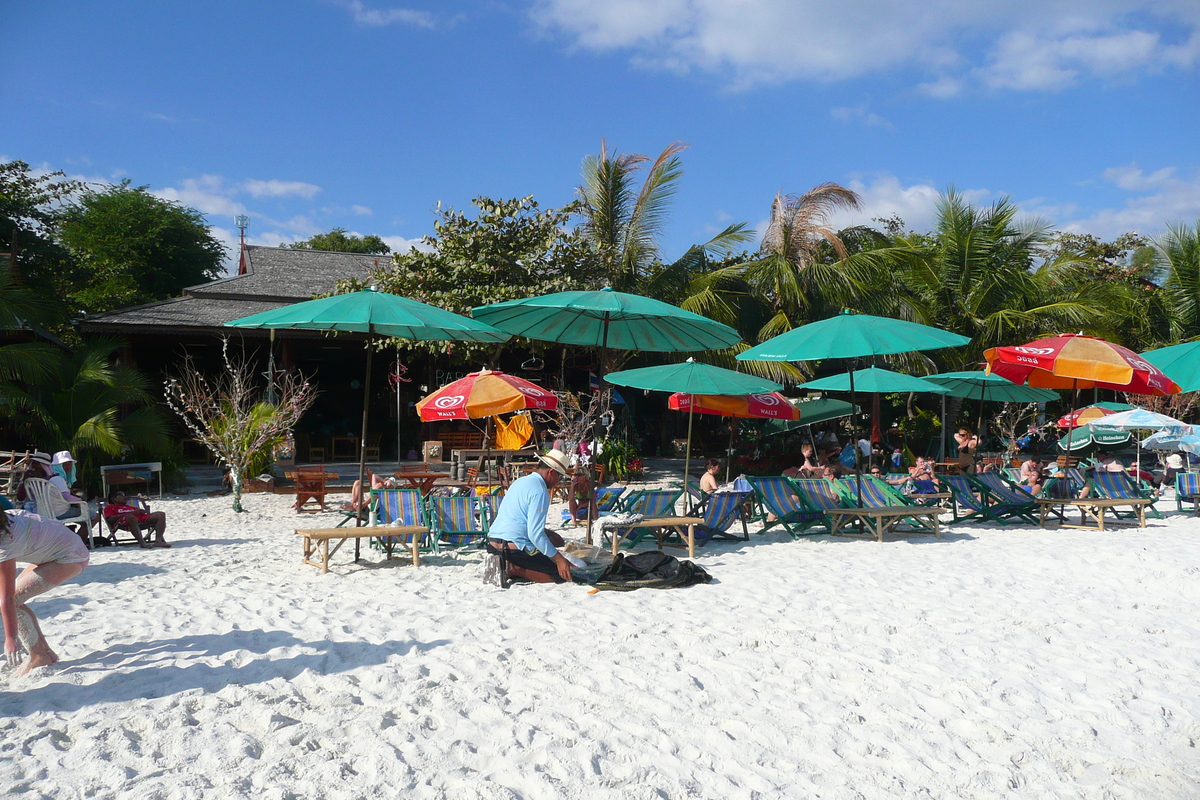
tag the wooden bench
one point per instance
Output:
(878, 520)
(1093, 508)
(316, 541)
(460, 440)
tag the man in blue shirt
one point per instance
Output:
(518, 534)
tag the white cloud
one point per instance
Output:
(362, 211)
(389, 16)
(1162, 198)
(399, 244)
(1013, 44)
(859, 115)
(207, 194)
(276, 188)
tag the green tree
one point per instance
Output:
(339, 241)
(1179, 253)
(36, 270)
(134, 248)
(623, 222)
(979, 274)
(84, 402)
(509, 249)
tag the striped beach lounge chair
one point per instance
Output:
(398, 507)
(648, 503)
(1119, 486)
(973, 502)
(1187, 489)
(819, 493)
(878, 493)
(1008, 500)
(778, 496)
(719, 514)
(455, 522)
(608, 498)
(489, 504)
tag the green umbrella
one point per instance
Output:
(983, 387)
(874, 379)
(605, 318)
(811, 412)
(1085, 437)
(850, 335)
(1181, 363)
(694, 378)
(373, 313)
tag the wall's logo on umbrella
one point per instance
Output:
(768, 399)
(1037, 351)
(449, 401)
(530, 391)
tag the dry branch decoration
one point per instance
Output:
(575, 418)
(1009, 422)
(229, 416)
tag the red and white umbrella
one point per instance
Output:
(484, 394)
(1075, 361)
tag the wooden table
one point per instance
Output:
(310, 488)
(939, 497)
(1093, 508)
(677, 524)
(880, 519)
(421, 481)
(316, 541)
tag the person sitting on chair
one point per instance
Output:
(1031, 474)
(708, 481)
(119, 511)
(519, 536)
(582, 497)
(357, 501)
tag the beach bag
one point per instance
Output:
(847, 456)
(652, 570)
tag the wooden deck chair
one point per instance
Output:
(489, 504)
(1119, 486)
(877, 493)
(1187, 490)
(608, 498)
(49, 499)
(777, 496)
(1004, 501)
(398, 507)
(648, 503)
(1077, 478)
(117, 525)
(695, 498)
(455, 521)
(819, 493)
(371, 450)
(718, 515)
(966, 502)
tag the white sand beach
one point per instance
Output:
(998, 662)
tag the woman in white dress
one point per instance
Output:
(52, 554)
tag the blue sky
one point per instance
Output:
(365, 114)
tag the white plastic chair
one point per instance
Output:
(49, 500)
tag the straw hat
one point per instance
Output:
(64, 457)
(555, 460)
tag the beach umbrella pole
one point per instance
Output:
(596, 428)
(854, 438)
(362, 447)
(729, 450)
(942, 442)
(687, 454)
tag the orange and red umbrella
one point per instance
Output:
(1084, 416)
(1075, 361)
(484, 394)
(771, 405)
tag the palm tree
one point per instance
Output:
(978, 275)
(1179, 251)
(78, 404)
(623, 223)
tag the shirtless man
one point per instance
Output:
(52, 554)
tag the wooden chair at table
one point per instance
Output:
(310, 488)
(371, 450)
(314, 452)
